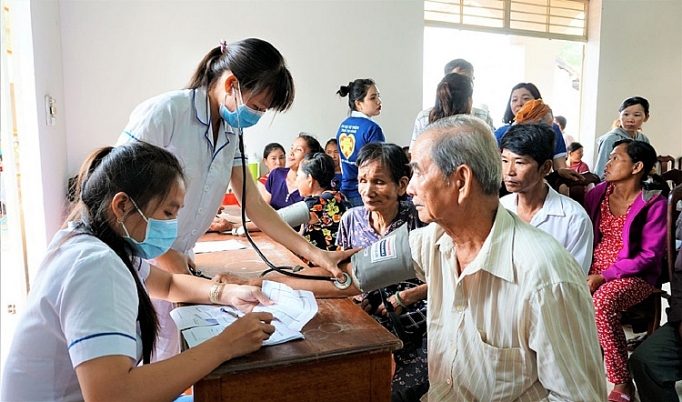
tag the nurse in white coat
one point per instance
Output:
(88, 320)
(230, 90)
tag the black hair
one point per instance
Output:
(320, 167)
(273, 146)
(635, 100)
(536, 140)
(452, 96)
(258, 66)
(460, 64)
(356, 91)
(574, 146)
(561, 121)
(312, 143)
(331, 141)
(390, 156)
(144, 172)
(640, 151)
(508, 114)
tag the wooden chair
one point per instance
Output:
(576, 189)
(673, 177)
(679, 163)
(674, 208)
(646, 316)
(664, 163)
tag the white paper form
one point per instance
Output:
(293, 307)
(292, 311)
(215, 246)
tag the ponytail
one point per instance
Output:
(258, 66)
(356, 91)
(145, 173)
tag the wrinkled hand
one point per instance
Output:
(245, 297)
(570, 174)
(364, 304)
(330, 260)
(381, 310)
(595, 281)
(220, 225)
(247, 333)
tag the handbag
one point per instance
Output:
(410, 325)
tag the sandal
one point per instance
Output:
(617, 396)
(634, 342)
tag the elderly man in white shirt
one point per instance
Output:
(504, 324)
(527, 153)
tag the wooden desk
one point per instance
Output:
(345, 356)
(245, 263)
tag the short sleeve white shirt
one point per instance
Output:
(82, 305)
(180, 122)
(564, 219)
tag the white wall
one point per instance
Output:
(640, 53)
(38, 70)
(117, 54)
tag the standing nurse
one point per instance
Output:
(230, 90)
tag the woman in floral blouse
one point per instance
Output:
(316, 183)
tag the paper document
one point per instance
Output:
(292, 310)
(214, 246)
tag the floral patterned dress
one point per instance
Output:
(614, 296)
(328, 207)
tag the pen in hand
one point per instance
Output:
(230, 312)
(235, 315)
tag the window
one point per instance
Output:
(554, 19)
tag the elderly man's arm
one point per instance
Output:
(563, 333)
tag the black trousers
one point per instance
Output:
(656, 365)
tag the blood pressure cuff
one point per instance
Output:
(295, 214)
(384, 263)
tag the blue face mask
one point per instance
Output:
(159, 237)
(243, 116)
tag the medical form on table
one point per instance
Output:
(292, 310)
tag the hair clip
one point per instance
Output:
(223, 46)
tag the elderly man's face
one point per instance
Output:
(429, 190)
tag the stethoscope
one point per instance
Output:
(284, 270)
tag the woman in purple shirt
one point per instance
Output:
(281, 184)
(629, 219)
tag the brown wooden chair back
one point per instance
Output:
(673, 177)
(646, 316)
(674, 207)
(664, 163)
(679, 163)
(576, 189)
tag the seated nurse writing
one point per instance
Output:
(89, 321)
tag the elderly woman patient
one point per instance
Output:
(383, 174)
